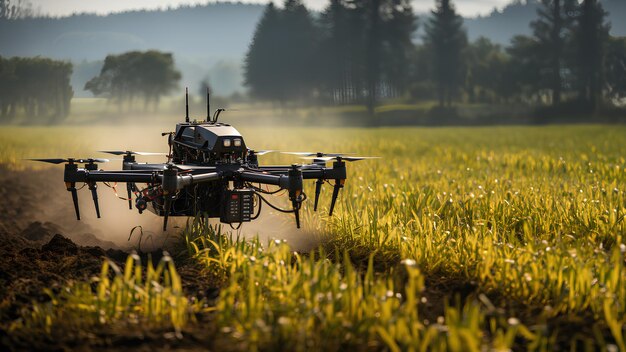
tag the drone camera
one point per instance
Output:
(141, 204)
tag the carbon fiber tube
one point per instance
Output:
(278, 180)
(187, 180)
(112, 176)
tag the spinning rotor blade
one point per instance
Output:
(114, 152)
(70, 160)
(317, 154)
(345, 158)
(261, 152)
(311, 167)
(129, 152)
(191, 167)
(91, 161)
(51, 161)
(357, 158)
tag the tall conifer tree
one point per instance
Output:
(298, 43)
(551, 31)
(261, 64)
(446, 39)
(591, 36)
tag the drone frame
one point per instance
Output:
(177, 174)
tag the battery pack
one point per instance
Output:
(238, 205)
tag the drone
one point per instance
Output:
(210, 171)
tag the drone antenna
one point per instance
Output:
(216, 114)
(186, 104)
(208, 105)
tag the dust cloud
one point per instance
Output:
(117, 221)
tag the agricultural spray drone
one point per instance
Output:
(209, 170)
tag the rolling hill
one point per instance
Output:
(207, 40)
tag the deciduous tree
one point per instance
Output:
(39, 87)
(148, 75)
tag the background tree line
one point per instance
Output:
(39, 87)
(136, 75)
(357, 51)
(361, 51)
(13, 9)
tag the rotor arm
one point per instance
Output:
(111, 176)
(91, 175)
(256, 177)
(327, 173)
(292, 182)
(74, 174)
(319, 173)
(188, 180)
(145, 167)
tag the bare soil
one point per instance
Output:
(43, 246)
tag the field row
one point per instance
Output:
(457, 239)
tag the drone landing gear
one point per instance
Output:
(318, 190)
(296, 211)
(129, 192)
(71, 187)
(169, 186)
(167, 207)
(336, 188)
(94, 194)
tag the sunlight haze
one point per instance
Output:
(68, 7)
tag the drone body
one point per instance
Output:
(210, 171)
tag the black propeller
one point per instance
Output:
(71, 160)
(190, 167)
(311, 167)
(317, 154)
(338, 158)
(261, 152)
(344, 158)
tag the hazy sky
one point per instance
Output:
(67, 7)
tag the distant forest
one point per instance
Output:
(360, 52)
(209, 42)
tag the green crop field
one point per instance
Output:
(464, 239)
